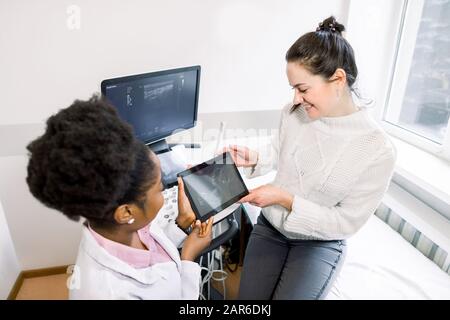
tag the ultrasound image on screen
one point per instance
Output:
(213, 186)
(156, 106)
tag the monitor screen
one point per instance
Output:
(158, 103)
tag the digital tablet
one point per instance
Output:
(213, 187)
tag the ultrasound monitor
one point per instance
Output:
(156, 104)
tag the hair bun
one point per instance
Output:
(331, 25)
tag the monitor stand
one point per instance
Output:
(159, 146)
(170, 161)
(162, 146)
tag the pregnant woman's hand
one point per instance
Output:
(242, 156)
(268, 195)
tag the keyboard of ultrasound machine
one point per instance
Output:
(169, 211)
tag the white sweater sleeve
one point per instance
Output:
(349, 215)
(267, 160)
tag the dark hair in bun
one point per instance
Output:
(331, 25)
(325, 50)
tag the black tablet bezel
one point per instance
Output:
(223, 158)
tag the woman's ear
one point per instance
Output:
(339, 77)
(124, 214)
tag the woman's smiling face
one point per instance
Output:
(312, 92)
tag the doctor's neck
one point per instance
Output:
(123, 234)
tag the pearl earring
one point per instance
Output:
(130, 221)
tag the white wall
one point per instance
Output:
(239, 43)
(42, 237)
(9, 265)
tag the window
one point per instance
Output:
(418, 104)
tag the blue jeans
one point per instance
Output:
(279, 268)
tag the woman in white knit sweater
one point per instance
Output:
(334, 164)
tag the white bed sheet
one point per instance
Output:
(380, 264)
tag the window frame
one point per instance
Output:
(405, 44)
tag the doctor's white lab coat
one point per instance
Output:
(99, 275)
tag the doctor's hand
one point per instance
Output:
(242, 156)
(268, 195)
(186, 215)
(198, 240)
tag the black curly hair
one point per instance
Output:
(88, 162)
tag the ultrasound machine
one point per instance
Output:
(157, 105)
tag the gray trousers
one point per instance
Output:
(279, 268)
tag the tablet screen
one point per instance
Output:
(213, 185)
